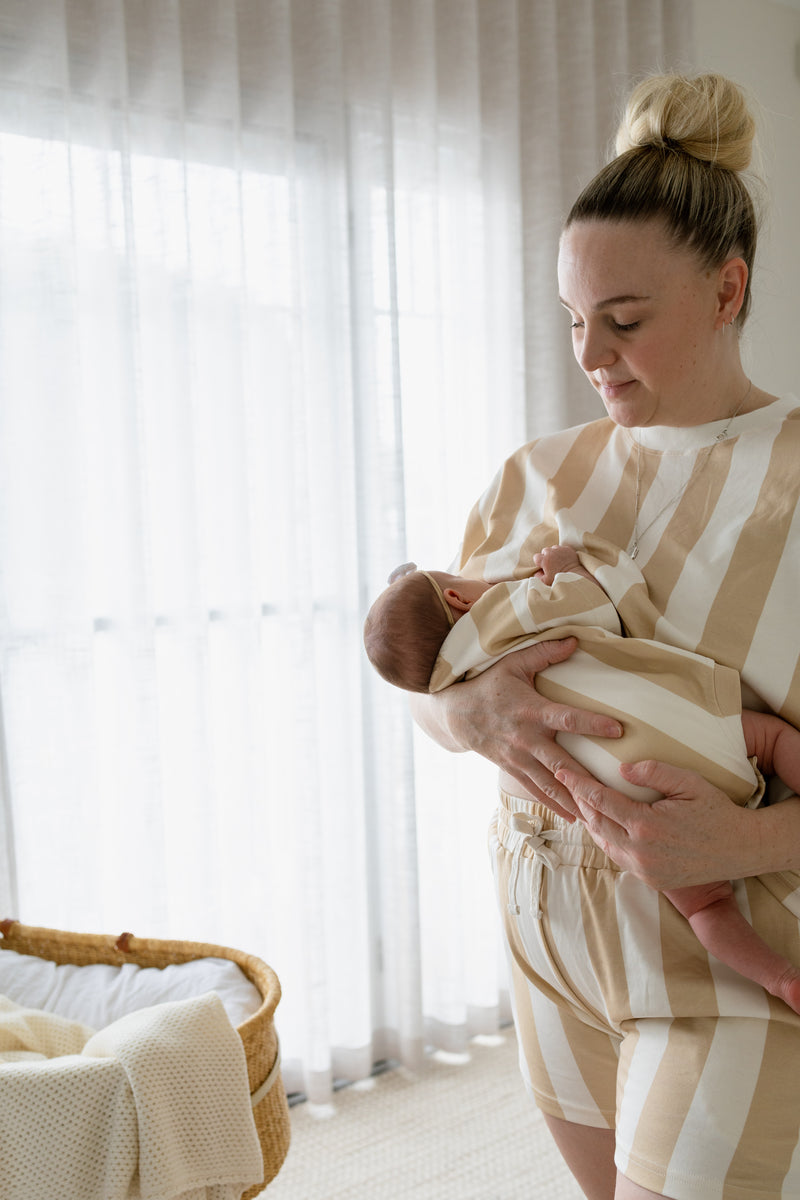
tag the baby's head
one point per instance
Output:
(407, 624)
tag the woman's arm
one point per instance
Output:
(696, 834)
(502, 717)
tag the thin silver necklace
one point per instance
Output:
(638, 533)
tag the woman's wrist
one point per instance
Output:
(775, 842)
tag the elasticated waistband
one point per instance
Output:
(527, 826)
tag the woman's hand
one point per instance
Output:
(502, 717)
(695, 834)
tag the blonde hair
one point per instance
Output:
(682, 149)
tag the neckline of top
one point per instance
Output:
(693, 437)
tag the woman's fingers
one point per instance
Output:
(608, 809)
(528, 750)
(663, 777)
(691, 835)
(558, 718)
(537, 764)
(605, 811)
(500, 715)
(556, 798)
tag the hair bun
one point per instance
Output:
(706, 117)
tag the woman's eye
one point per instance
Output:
(618, 326)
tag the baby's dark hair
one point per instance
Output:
(404, 631)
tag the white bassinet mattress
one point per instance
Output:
(98, 994)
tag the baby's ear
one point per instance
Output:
(455, 599)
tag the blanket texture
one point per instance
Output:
(154, 1107)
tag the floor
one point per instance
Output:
(463, 1129)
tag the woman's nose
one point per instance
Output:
(594, 349)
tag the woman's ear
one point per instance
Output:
(731, 287)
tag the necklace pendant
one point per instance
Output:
(634, 551)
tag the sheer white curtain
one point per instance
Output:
(277, 294)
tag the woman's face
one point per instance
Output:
(646, 321)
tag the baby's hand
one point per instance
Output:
(553, 559)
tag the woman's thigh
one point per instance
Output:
(710, 1107)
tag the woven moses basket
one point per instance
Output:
(267, 1094)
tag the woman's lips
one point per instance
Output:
(613, 391)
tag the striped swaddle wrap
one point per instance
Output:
(674, 705)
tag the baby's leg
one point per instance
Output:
(713, 914)
(553, 559)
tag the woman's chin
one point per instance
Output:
(629, 416)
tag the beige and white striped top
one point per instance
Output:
(720, 567)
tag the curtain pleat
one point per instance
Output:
(277, 294)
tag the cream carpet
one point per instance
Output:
(463, 1129)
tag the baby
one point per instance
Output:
(429, 629)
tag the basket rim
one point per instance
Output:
(117, 950)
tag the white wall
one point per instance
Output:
(756, 43)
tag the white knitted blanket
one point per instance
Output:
(154, 1107)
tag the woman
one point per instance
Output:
(658, 1072)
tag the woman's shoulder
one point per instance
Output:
(778, 419)
(779, 408)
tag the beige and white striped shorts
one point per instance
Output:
(625, 1022)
